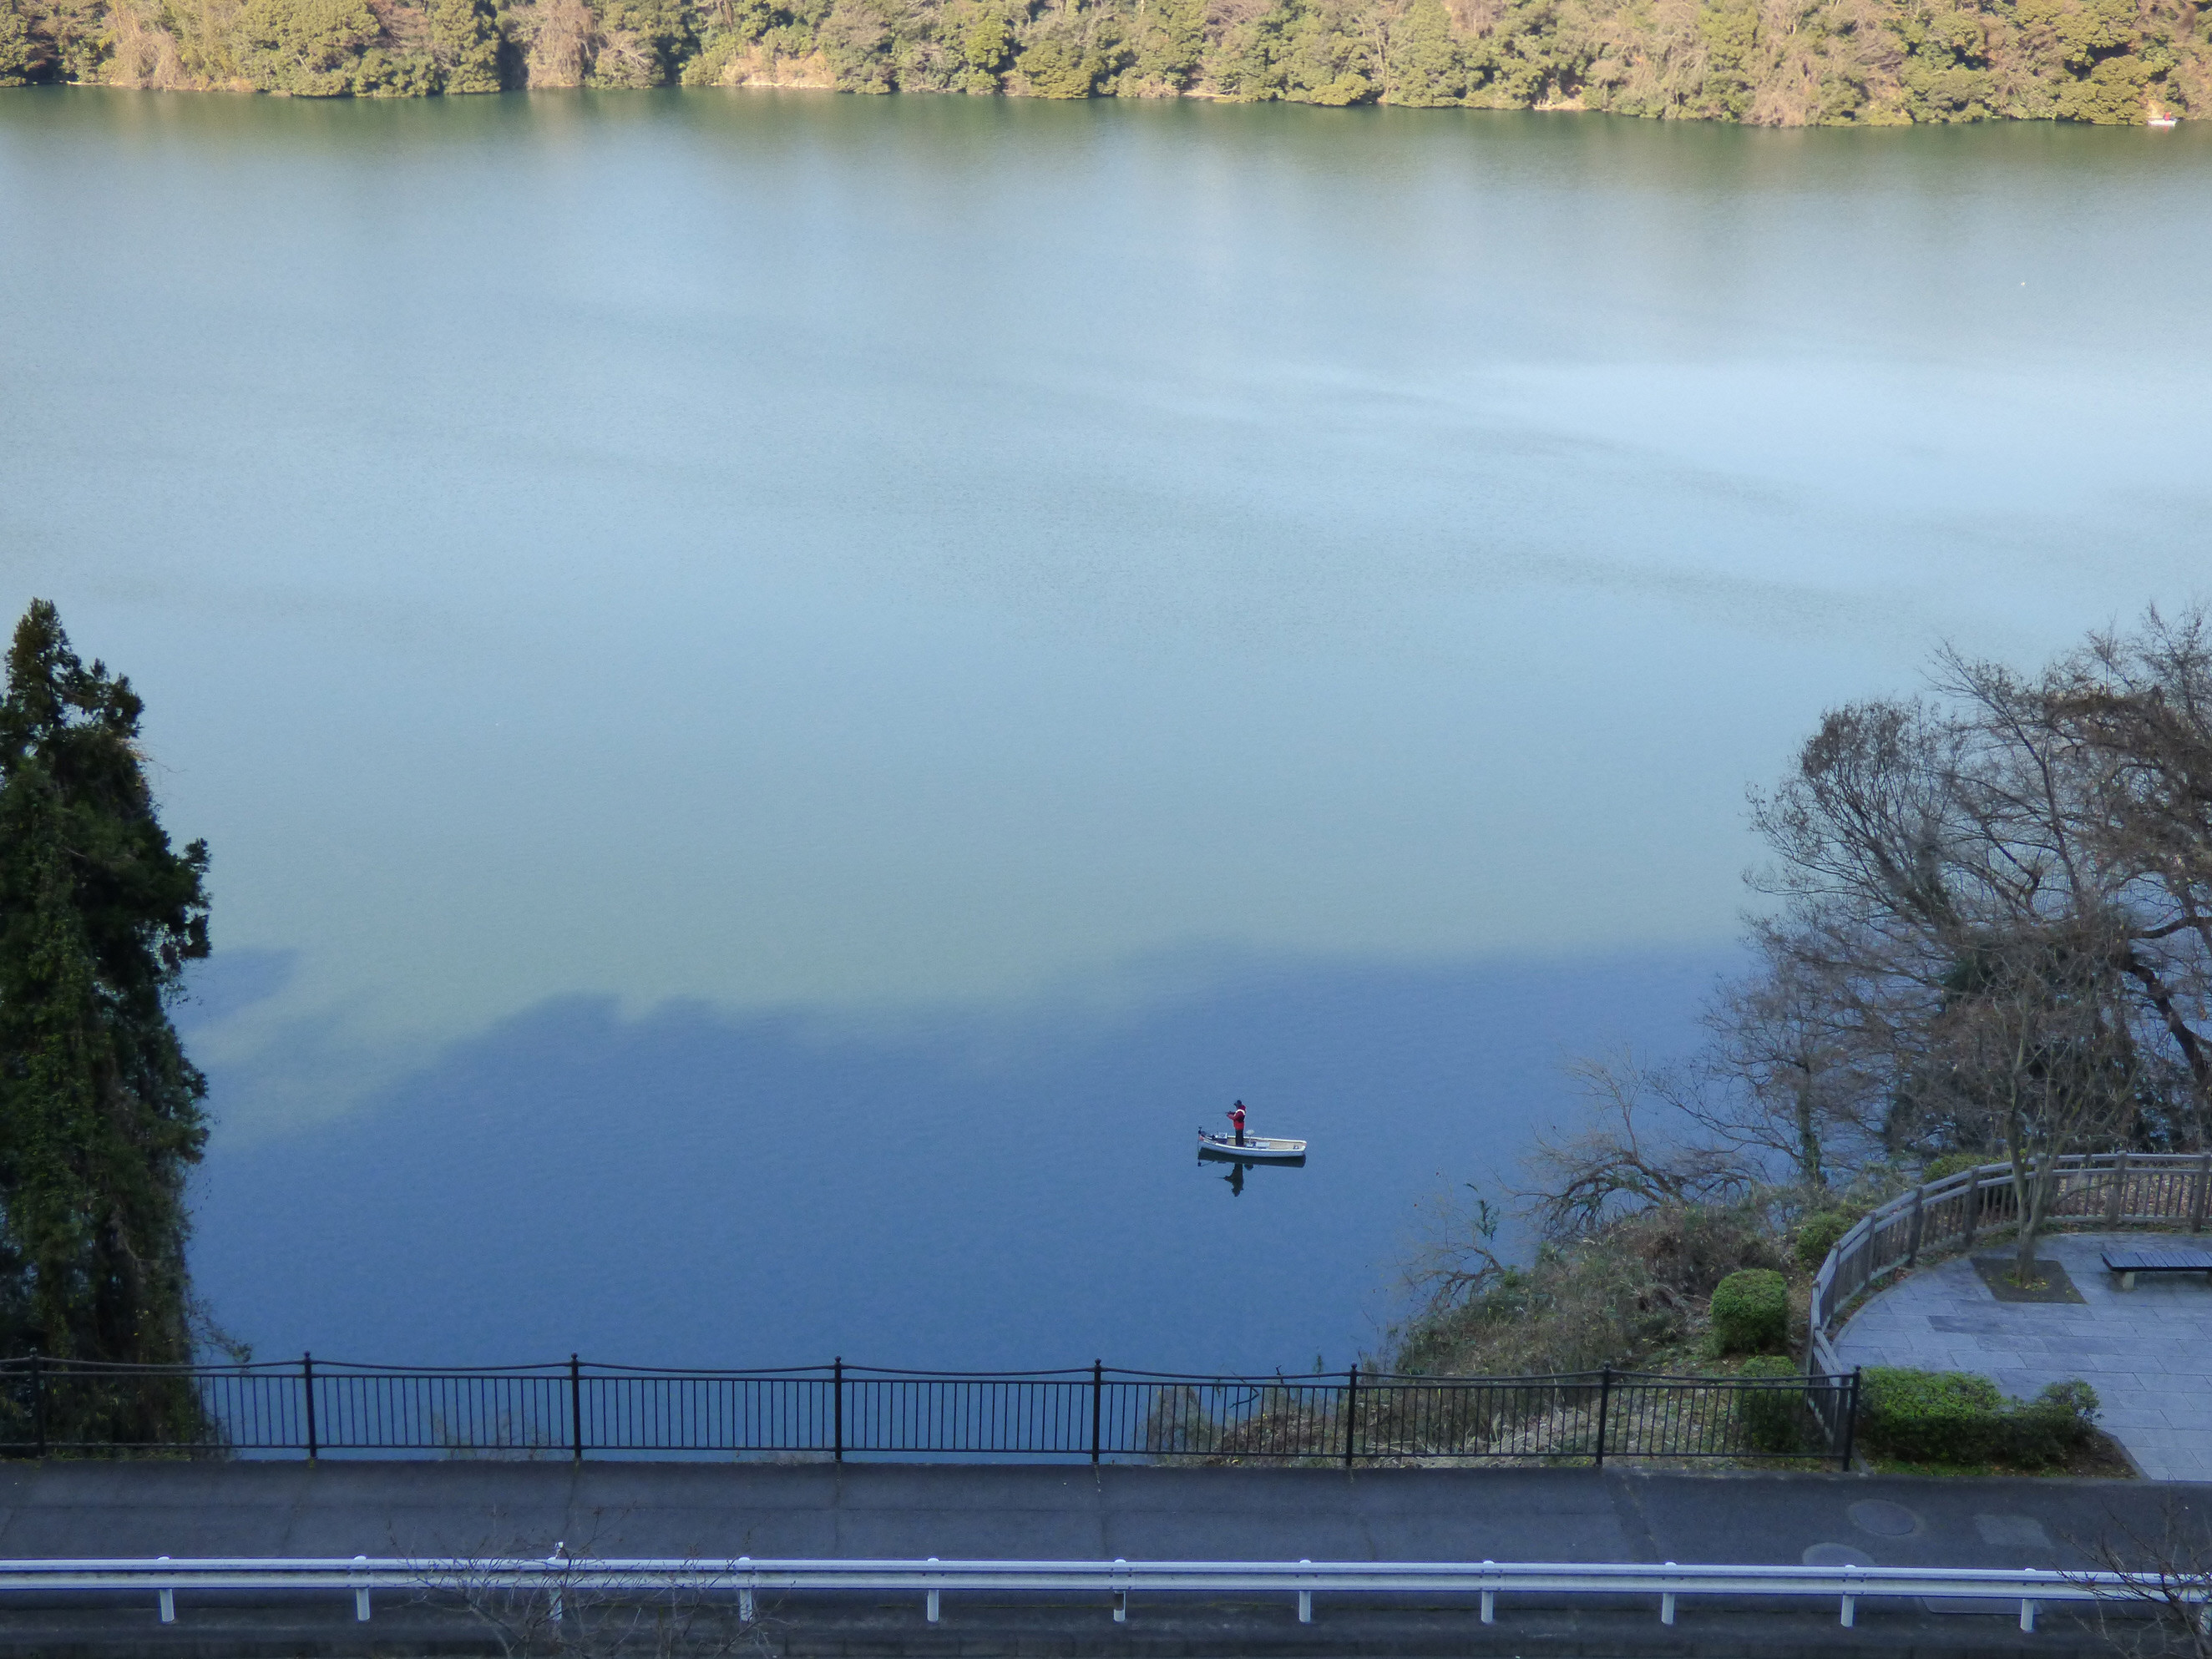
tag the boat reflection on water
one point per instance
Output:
(1240, 1160)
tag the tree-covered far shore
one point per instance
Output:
(1776, 62)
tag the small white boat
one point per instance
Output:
(1256, 1149)
(2160, 121)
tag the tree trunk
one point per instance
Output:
(1809, 1135)
(2034, 1205)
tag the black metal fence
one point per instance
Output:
(52, 1407)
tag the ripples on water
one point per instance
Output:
(788, 690)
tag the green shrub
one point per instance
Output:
(1952, 1164)
(2057, 1422)
(1751, 1312)
(1930, 1417)
(1817, 1235)
(1773, 1419)
(1956, 1416)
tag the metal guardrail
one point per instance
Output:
(2115, 1189)
(743, 1579)
(315, 1408)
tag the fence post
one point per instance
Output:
(1351, 1411)
(1604, 1401)
(1850, 1419)
(1097, 1402)
(575, 1408)
(838, 1406)
(307, 1392)
(2204, 1191)
(1973, 1203)
(1912, 1233)
(2115, 1200)
(39, 1402)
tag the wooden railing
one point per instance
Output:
(2113, 1190)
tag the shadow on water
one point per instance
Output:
(699, 1186)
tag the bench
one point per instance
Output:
(2128, 1263)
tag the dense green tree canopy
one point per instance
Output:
(1783, 63)
(100, 1113)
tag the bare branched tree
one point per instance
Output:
(2032, 1043)
(1986, 926)
(1789, 1076)
(562, 1611)
(2138, 707)
(2065, 819)
(1617, 1162)
(1457, 1256)
(2160, 1610)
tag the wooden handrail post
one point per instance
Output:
(2203, 1192)
(2116, 1199)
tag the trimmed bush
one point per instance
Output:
(1930, 1417)
(1773, 1421)
(1956, 1416)
(1817, 1235)
(1751, 1312)
(2057, 1422)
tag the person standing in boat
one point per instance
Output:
(1236, 1120)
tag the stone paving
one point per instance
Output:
(2147, 1351)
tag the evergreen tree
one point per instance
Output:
(100, 1112)
(1426, 67)
(22, 60)
(464, 39)
(1729, 29)
(1171, 43)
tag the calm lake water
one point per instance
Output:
(788, 690)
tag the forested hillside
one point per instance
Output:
(1771, 62)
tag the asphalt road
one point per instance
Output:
(344, 1509)
(335, 1508)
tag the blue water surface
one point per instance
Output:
(789, 692)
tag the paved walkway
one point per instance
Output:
(2147, 1351)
